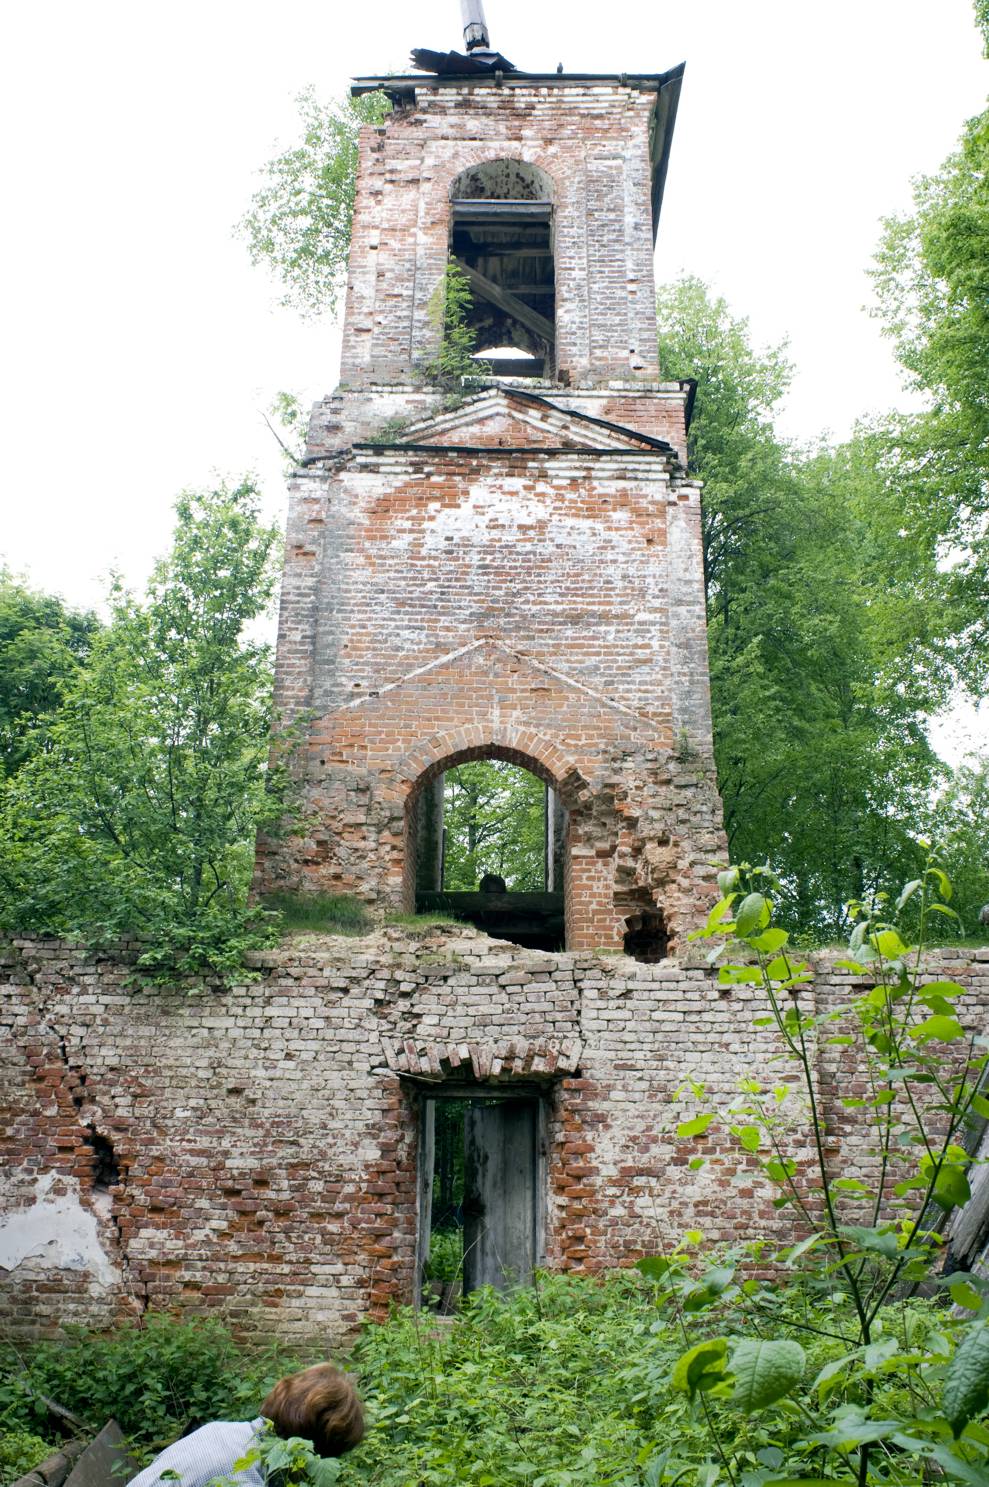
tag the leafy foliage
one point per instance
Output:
(298, 223)
(140, 817)
(898, 1388)
(42, 644)
(494, 822)
(932, 283)
(20, 1451)
(818, 630)
(453, 365)
(158, 1380)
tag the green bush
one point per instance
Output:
(156, 1381)
(20, 1451)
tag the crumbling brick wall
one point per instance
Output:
(517, 576)
(262, 1141)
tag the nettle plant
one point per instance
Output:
(846, 1373)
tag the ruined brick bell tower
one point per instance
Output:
(515, 574)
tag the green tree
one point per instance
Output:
(932, 284)
(814, 630)
(42, 643)
(960, 826)
(140, 817)
(298, 224)
(493, 818)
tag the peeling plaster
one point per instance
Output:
(58, 1232)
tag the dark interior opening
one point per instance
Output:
(501, 236)
(646, 936)
(490, 851)
(106, 1168)
(478, 1214)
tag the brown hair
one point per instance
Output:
(321, 1405)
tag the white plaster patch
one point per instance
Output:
(511, 509)
(58, 1231)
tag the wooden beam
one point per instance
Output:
(503, 300)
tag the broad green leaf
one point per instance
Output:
(963, 1294)
(909, 889)
(654, 1267)
(727, 881)
(752, 914)
(878, 1241)
(718, 913)
(748, 1136)
(951, 1189)
(700, 1368)
(981, 1106)
(888, 943)
(765, 1370)
(695, 1127)
(964, 1471)
(966, 1384)
(942, 909)
(770, 940)
(943, 882)
(944, 1029)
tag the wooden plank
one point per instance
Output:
(500, 1194)
(507, 302)
(501, 212)
(105, 1462)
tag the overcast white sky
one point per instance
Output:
(139, 344)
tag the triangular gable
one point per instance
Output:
(500, 417)
(485, 651)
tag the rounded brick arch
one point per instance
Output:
(521, 746)
(503, 177)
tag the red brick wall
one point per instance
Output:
(266, 1138)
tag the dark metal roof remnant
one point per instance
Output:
(457, 64)
(479, 59)
(490, 69)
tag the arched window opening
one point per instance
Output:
(501, 235)
(646, 937)
(490, 848)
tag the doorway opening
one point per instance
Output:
(490, 849)
(481, 1166)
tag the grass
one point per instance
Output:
(320, 913)
(424, 921)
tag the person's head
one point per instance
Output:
(321, 1405)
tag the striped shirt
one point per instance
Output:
(207, 1453)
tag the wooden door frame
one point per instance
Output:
(425, 1094)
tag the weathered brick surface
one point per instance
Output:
(266, 1137)
(593, 145)
(517, 577)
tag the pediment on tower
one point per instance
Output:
(487, 666)
(510, 419)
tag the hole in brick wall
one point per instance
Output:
(501, 235)
(106, 1168)
(646, 937)
(490, 849)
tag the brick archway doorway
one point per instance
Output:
(531, 913)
